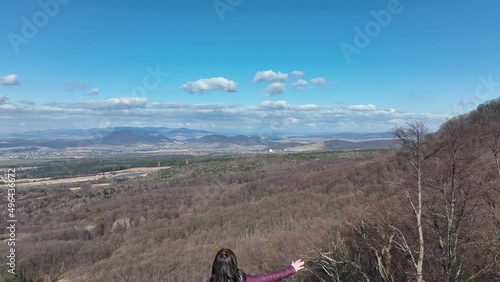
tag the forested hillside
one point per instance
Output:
(427, 211)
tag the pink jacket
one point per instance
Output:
(270, 277)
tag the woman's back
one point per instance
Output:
(270, 277)
(225, 269)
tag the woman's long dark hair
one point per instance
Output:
(225, 267)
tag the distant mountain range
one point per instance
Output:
(119, 138)
(192, 139)
(127, 137)
(354, 136)
(241, 140)
(78, 134)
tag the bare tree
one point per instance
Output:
(413, 138)
(341, 263)
(495, 147)
(381, 249)
(453, 201)
(493, 192)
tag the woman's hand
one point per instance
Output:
(298, 265)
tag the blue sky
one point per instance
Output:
(245, 66)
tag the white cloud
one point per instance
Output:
(274, 105)
(318, 81)
(298, 74)
(3, 99)
(122, 103)
(368, 107)
(182, 106)
(214, 83)
(284, 105)
(309, 107)
(76, 86)
(276, 88)
(27, 102)
(387, 111)
(266, 118)
(4, 103)
(9, 80)
(8, 107)
(93, 91)
(271, 76)
(300, 84)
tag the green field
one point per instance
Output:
(17, 163)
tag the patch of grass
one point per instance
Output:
(18, 163)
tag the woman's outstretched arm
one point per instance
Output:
(278, 275)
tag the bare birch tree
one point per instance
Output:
(453, 201)
(413, 138)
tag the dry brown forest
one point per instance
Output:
(428, 211)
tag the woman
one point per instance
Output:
(225, 269)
